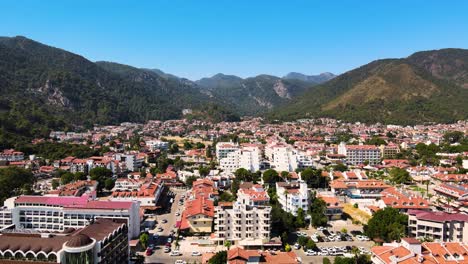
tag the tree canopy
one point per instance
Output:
(387, 225)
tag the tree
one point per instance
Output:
(287, 247)
(219, 258)
(204, 171)
(340, 167)
(399, 176)
(318, 208)
(80, 176)
(326, 261)
(100, 174)
(109, 183)
(310, 244)
(285, 175)
(387, 224)
(189, 181)
(270, 177)
(314, 178)
(453, 137)
(174, 148)
(144, 239)
(300, 218)
(199, 145)
(67, 178)
(227, 244)
(188, 145)
(55, 183)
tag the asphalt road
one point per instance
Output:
(168, 214)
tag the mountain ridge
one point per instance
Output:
(404, 91)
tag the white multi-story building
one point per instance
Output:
(247, 157)
(359, 154)
(132, 161)
(224, 148)
(286, 158)
(292, 196)
(245, 222)
(157, 144)
(55, 214)
(11, 155)
(438, 225)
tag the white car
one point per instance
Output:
(196, 253)
(180, 262)
(297, 246)
(311, 253)
(175, 253)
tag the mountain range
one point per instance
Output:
(46, 88)
(428, 86)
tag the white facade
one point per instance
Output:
(247, 220)
(157, 144)
(292, 196)
(359, 154)
(55, 214)
(244, 157)
(287, 158)
(223, 148)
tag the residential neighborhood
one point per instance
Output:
(187, 191)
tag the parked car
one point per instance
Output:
(180, 262)
(148, 252)
(167, 249)
(175, 253)
(164, 221)
(196, 253)
(169, 240)
(311, 253)
(297, 246)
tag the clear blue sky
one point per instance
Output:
(201, 38)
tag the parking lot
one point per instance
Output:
(331, 243)
(165, 231)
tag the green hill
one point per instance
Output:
(428, 86)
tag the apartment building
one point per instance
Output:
(102, 241)
(359, 154)
(292, 196)
(245, 222)
(223, 148)
(247, 157)
(56, 214)
(11, 155)
(438, 225)
(286, 158)
(157, 144)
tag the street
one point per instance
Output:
(169, 215)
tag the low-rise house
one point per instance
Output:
(402, 201)
(410, 250)
(359, 188)
(238, 255)
(334, 206)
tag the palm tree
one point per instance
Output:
(227, 244)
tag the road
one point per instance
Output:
(170, 215)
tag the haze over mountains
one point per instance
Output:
(47, 88)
